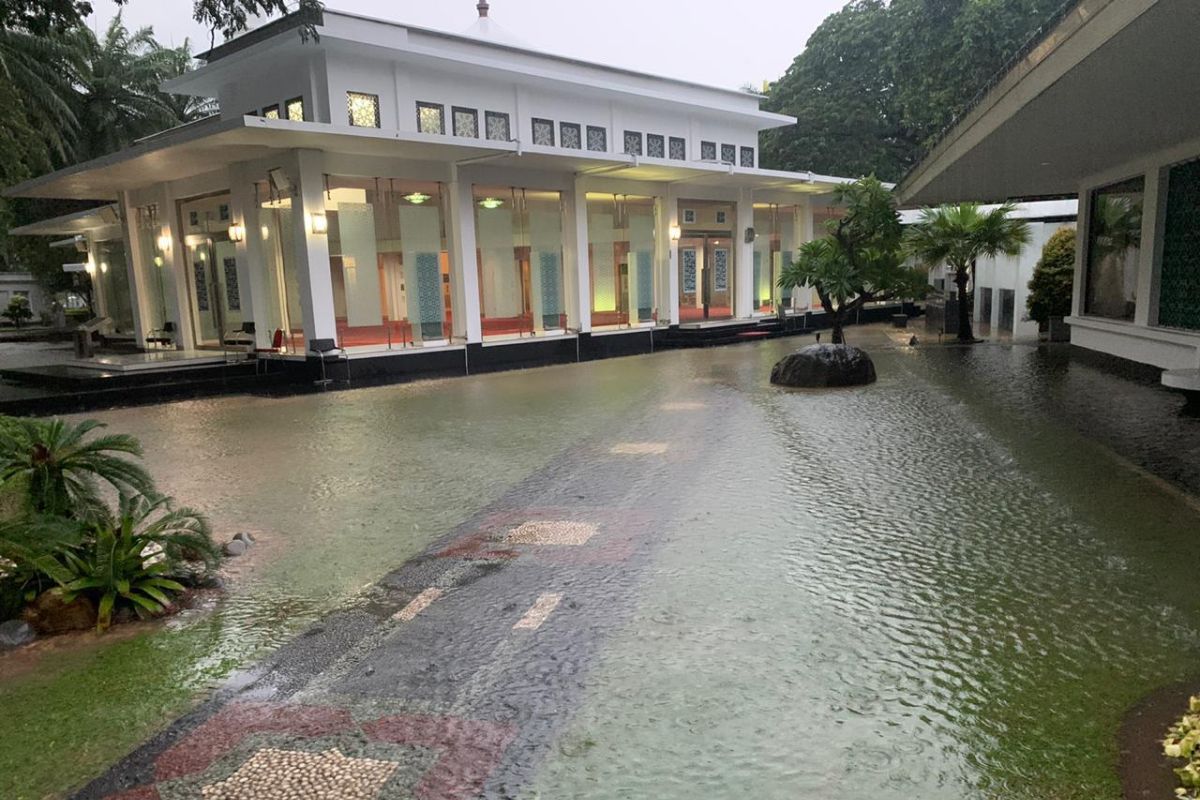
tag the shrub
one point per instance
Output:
(18, 310)
(58, 469)
(1053, 278)
(118, 561)
(1183, 742)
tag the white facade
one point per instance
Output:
(1001, 286)
(21, 284)
(392, 188)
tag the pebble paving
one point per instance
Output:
(460, 674)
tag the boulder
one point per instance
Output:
(235, 547)
(15, 633)
(49, 615)
(821, 366)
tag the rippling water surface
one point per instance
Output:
(922, 589)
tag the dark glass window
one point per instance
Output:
(1114, 247)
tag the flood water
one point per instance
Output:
(934, 587)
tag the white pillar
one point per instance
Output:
(577, 271)
(464, 264)
(743, 285)
(1154, 221)
(138, 291)
(312, 249)
(251, 257)
(1082, 228)
(671, 215)
(175, 260)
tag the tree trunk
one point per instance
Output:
(838, 336)
(965, 334)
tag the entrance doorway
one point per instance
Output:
(211, 268)
(215, 294)
(705, 278)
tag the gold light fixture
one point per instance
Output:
(319, 224)
(164, 242)
(676, 233)
(266, 233)
(491, 203)
(417, 198)
(237, 232)
(104, 266)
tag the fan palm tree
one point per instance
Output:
(37, 79)
(59, 469)
(958, 236)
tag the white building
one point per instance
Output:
(1001, 285)
(1105, 105)
(407, 192)
(21, 284)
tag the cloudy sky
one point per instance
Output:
(719, 43)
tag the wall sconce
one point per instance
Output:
(158, 261)
(237, 233)
(266, 233)
(90, 267)
(104, 266)
(319, 224)
(164, 242)
(676, 233)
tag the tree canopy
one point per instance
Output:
(878, 81)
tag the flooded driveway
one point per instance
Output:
(651, 577)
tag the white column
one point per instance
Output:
(1154, 222)
(1081, 236)
(578, 275)
(463, 259)
(175, 260)
(312, 249)
(743, 285)
(139, 292)
(251, 258)
(671, 215)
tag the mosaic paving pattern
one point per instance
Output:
(640, 449)
(572, 534)
(284, 775)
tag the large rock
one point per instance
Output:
(48, 614)
(821, 366)
(15, 633)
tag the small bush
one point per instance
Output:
(1053, 278)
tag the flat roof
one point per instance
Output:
(293, 21)
(199, 149)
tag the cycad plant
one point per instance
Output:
(958, 236)
(58, 467)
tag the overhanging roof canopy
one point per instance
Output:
(74, 224)
(1114, 80)
(215, 144)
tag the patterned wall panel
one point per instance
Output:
(1179, 290)
(720, 270)
(233, 294)
(551, 274)
(645, 285)
(201, 285)
(429, 295)
(689, 270)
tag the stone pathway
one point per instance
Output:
(462, 667)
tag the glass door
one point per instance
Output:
(718, 282)
(705, 278)
(215, 293)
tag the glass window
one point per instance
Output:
(777, 237)
(295, 109)
(466, 122)
(388, 262)
(158, 280)
(363, 109)
(113, 274)
(708, 151)
(271, 112)
(543, 132)
(597, 139)
(633, 143)
(1114, 246)
(518, 234)
(621, 254)
(748, 157)
(285, 319)
(728, 154)
(656, 146)
(571, 136)
(498, 126)
(431, 118)
(678, 148)
(1179, 290)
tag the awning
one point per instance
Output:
(215, 144)
(1113, 81)
(72, 225)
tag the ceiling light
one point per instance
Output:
(491, 203)
(417, 198)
